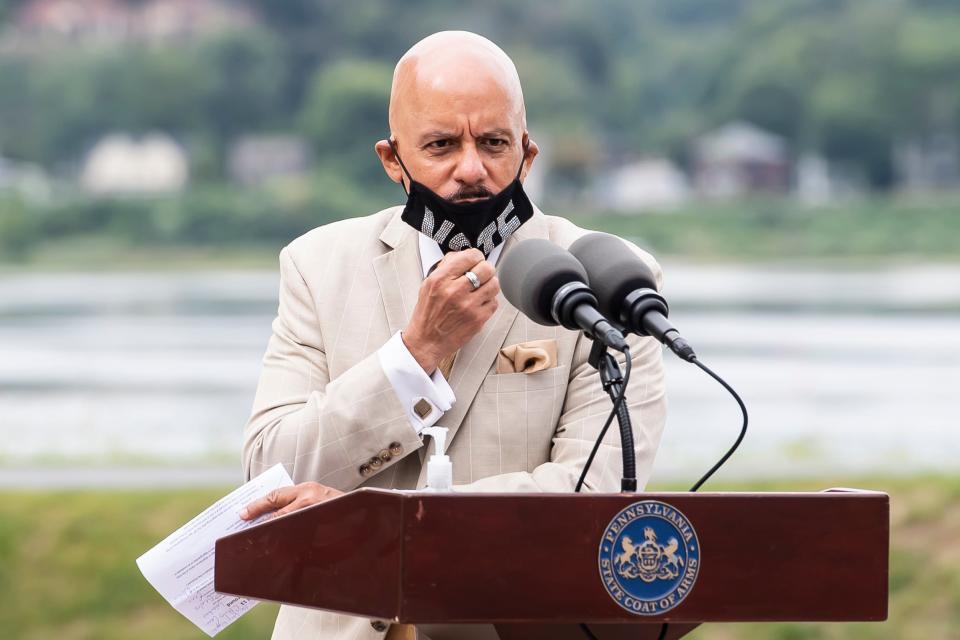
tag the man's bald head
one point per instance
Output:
(457, 117)
(451, 62)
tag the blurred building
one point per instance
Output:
(819, 181)
(740, 158)
(115, 21)
(122, 165)
(259, 159)
(928, 164)
(645, 185)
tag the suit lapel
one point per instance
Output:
(399, 272)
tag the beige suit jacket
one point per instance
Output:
(325, 408)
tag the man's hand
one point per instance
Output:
(448, 311)
(287, 499)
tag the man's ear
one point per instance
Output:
(530, 151)
(389, 161)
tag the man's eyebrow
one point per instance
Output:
(436, 134)
(498, 133)
(439, 134)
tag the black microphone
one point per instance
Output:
(627, 290)
(549, 286)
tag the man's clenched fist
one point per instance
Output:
(449, 311)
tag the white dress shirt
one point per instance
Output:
(410, 382)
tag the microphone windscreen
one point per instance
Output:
(613, 269)
(532, 272)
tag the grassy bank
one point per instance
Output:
(220, 228)
(774, 230)
(67, 566)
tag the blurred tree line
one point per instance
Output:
(843, 78)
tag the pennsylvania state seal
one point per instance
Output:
(649, 558)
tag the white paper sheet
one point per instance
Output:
(181, 567)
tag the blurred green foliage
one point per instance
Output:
(602, 80)
(843, 77)
(69, 567)
(54, 104)
(355, 92)
(213, 215)
(776, 229)
(257, 223)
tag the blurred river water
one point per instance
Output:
(130, 378)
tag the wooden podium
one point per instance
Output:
(529, 563)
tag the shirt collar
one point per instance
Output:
(431, 254)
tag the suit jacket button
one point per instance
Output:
(396, 448)
(385, 456)
(375, 462)
(365, 470)
(378, 625)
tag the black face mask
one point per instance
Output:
(484, 224)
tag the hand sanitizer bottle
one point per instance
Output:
(439, 468)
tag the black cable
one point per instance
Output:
(619, 403)
(606, 425)
(726, 456)
(596, 446)
(743, 429)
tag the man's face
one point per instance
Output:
(462, 137)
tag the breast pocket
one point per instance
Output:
(513, 418)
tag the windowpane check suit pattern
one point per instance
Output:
(326, 410)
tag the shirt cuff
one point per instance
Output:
(424, 397)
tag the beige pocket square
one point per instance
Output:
(528, 357)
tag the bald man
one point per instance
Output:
(394, 322)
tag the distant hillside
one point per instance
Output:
(848, 79)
